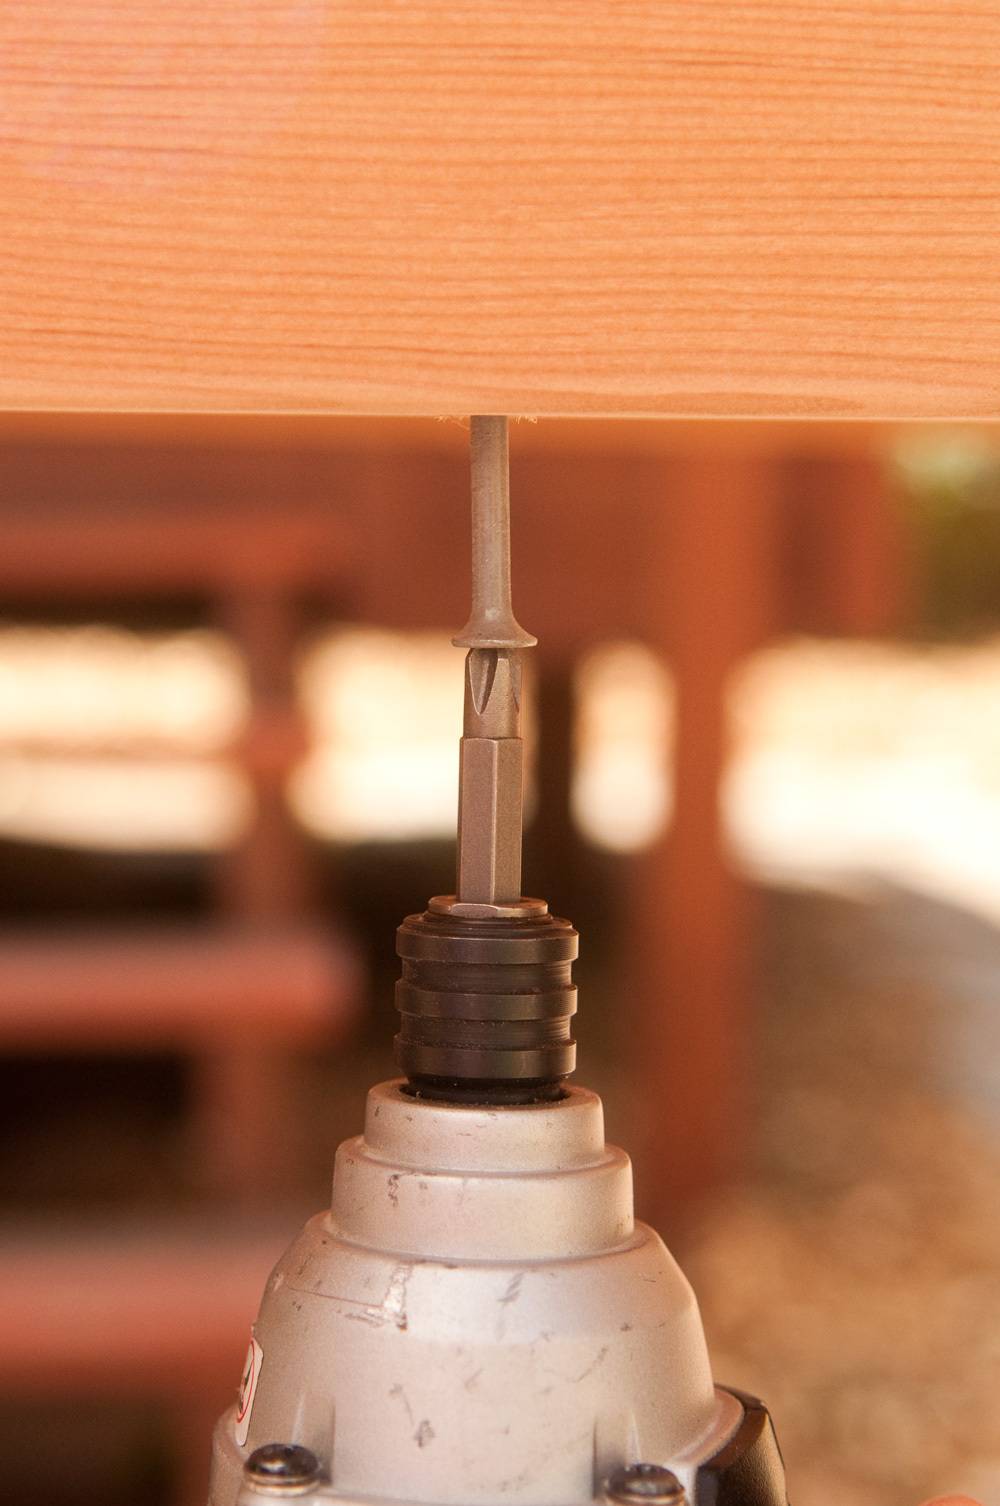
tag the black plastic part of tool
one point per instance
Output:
(486, 1007)
(748, 1470)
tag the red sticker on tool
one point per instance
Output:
(248, 1390)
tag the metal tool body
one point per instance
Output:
(479, 1320)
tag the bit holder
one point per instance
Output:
(486, 1007)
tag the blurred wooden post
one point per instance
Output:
(710, 600)
(868, 575)
(247, 1124)
(846, 567)
(265, 877)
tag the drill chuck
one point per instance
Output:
(486, 1006)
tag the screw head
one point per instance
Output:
(282, 1467)
(649, 1484)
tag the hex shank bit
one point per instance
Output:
(490, 797)
(487, 998)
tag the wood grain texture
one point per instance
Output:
(651, 207)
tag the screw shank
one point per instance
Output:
(492, 623)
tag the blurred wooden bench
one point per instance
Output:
(182, 989)
(85, 523)
(157, 1312)
(149, 1310)
(677, 535)
(261, 977)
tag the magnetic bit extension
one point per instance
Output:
(487, 996)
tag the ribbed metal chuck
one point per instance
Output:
(486, 1006)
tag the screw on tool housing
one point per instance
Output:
(282, 1468)
(649, 1484)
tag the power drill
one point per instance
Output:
(478, 1319)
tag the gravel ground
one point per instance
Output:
(853, 1278)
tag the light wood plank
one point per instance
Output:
(653, 207)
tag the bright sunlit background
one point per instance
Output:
(849, 761)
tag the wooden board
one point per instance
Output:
(652, 207)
